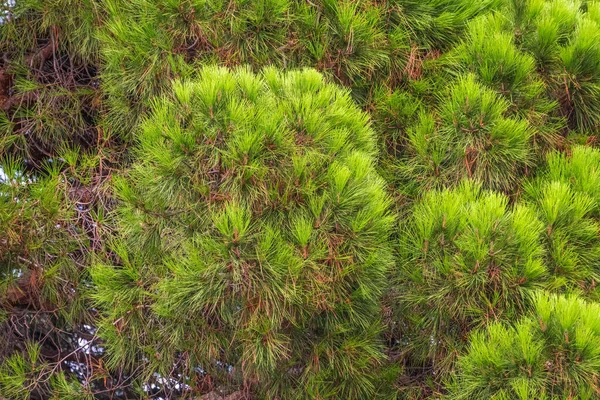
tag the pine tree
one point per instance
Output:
(567, 196)
(44, 251)
(468, 137)
(466, 258)
(554, 353)
(49, 95)
(172, 228)
(254, 239)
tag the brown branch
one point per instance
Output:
(20, 99)
(4, 82)
(39, 58)
(4, 86)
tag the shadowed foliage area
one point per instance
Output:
(359, 44)
(48, 78)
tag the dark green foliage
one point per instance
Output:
(140, 52)
(254, 234)
(552, 354)
(466, 258)
(40, 241)
(48, 91)
(436, 24)
(45, 236)
(358, 43)
(344, 38)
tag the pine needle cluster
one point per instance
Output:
(49, 97)
(468, 136)
(468, 258)
(562, 38)
(567, 197)
(255, 238)
(552, 354)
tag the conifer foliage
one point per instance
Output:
(49, 95)
(254, 238)
(568, 199)
(360, 44)
(289, 199)
(467, 258)
(468, 137)
(562, 36)
(552, 354)
(43, 266)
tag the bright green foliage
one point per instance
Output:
(552, 354)
(504, 68)
(567, 196)
(465, 258)
(491, 54)
(581, 77)
(254, 234)
(580, 170)
(468, 137)
(18, 377)
(48, 93)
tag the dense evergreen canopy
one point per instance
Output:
(466, 258)
(287, 199)
(255, 235)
